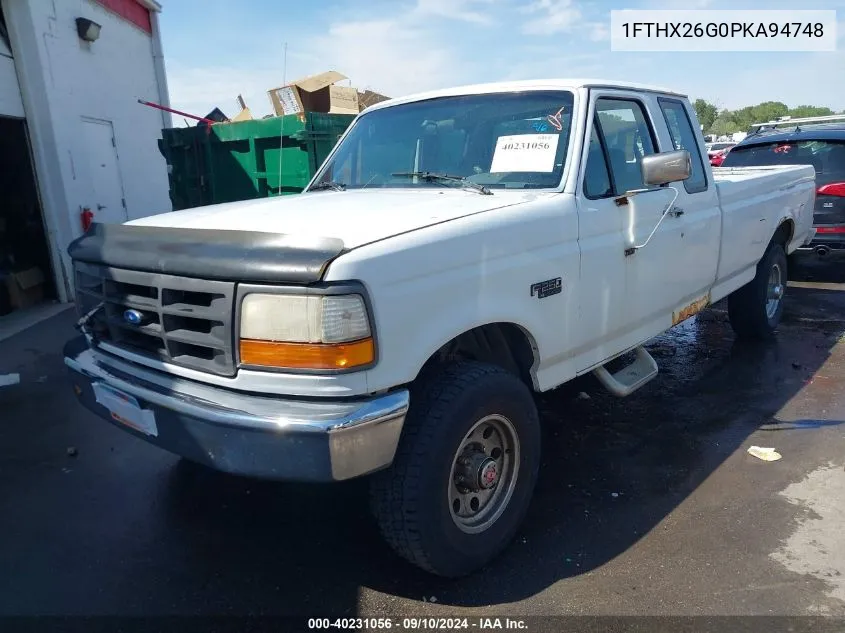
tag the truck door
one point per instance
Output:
(624, 297)
(698, 227)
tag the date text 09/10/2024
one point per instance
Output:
(418, 624)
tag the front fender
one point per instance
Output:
(432, 285)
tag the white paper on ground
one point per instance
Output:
(525, 152)
(766, 454)
(7, 380)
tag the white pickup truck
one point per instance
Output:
(458, 251)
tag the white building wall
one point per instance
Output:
(65, 80)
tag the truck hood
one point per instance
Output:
(355, 217)
(290, 239)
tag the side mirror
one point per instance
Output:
(666, 167)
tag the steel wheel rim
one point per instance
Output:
(489, 450)
(774, 291)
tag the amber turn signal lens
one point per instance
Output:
(307, 355)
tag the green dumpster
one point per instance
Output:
(250, 159)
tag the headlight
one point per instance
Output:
(305, 331)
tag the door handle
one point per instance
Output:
(676, 212)
(100, 207)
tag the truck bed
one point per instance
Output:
(768, 193)
(734, 183)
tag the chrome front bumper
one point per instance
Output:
(247, 434)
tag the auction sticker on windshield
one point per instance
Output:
(525, 152)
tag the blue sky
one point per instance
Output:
(217, 49)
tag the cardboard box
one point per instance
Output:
(25, 287)
(243, 115)
(368, 98)
(315, 94)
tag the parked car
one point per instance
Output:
(821, 145)
(717, 152)
(457, 252)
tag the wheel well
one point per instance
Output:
(506, 345)
(784, 233)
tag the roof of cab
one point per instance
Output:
(518, 86)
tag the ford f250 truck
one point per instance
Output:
(458, 251)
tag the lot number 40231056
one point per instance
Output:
(352, 624)
(525, 145)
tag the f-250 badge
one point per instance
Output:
(547, 288)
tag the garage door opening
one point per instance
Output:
(26, 276)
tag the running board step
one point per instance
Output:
(631, 377)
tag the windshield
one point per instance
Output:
(506, 140)
(828, 157)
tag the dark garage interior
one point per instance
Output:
(26, 277)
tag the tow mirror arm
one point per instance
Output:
(657, 170)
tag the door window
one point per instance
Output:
(596, 175)
(627, 138)
(683, 137)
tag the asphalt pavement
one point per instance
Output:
(648, 505)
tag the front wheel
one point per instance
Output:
(464, 471)
(755, 310)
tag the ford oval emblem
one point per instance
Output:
(133, 317)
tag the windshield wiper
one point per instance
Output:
(432, 175)
(328, 184)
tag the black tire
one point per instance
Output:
(410, 500)
(747, 306)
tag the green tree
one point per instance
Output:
(706, 113)
(808, 110)
(725, 124)
(766, 111)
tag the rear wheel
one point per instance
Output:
(464, 471)
(755, 310)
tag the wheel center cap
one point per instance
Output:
(488, 474)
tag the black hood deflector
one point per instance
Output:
(241, 256)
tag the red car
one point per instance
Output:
(717, 153)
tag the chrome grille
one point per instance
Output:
(184, 321)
